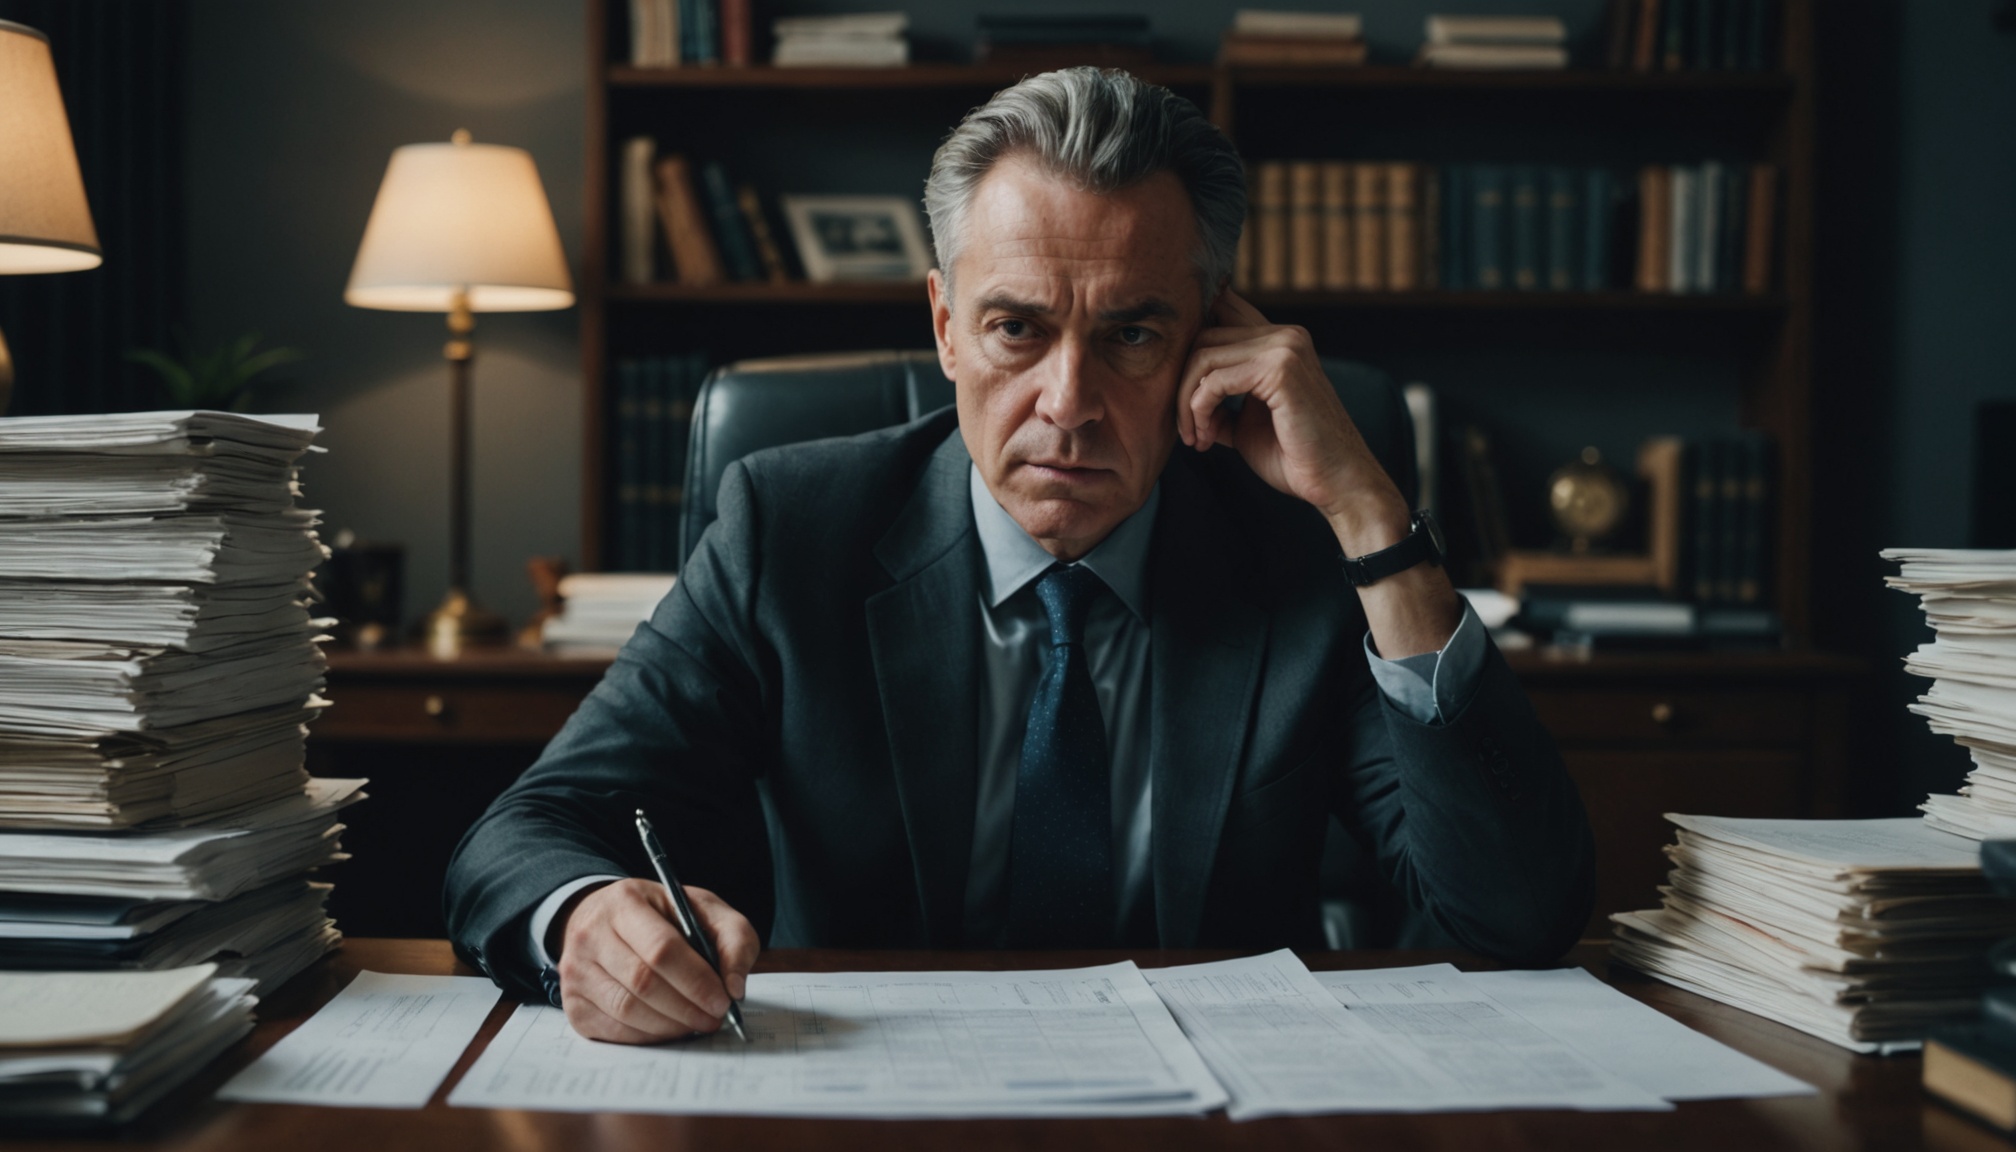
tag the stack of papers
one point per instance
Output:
(1513, 43)
(599, 610)
(1969, 598)
(158, 667)
(851, 40)
(94, 1048)
(1866, 933)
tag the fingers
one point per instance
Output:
(626, 974)
(595, 991)
(596, 1024)
(667, 970)
(735, 940)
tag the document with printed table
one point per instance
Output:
(1284, 1044)
(1075, 1042)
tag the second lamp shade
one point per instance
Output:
(460, 216)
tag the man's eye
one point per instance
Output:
(1014, 329)
(1134, 334)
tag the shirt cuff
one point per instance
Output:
(1434, 686)
(542, 916)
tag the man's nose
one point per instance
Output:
(1070, 396)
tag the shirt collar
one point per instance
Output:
(1014, 558)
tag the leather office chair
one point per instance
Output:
(757, 404)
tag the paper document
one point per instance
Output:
(386, 1041)
(1633, 1039)
(103, 1008)
(1283, 1044)
(1087, 1041)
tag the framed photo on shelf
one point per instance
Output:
(858, 237)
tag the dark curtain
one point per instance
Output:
(121, 64)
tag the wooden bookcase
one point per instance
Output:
(1742, 734)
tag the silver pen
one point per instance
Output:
(682, 914)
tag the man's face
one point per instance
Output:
(1074, 317)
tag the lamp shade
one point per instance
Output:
(461, 217)
(45, 221)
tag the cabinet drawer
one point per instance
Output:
(448, 712)
(1765, 717)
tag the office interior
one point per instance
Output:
(233, 149)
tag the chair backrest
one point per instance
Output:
(759, 404)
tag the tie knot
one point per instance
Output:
(1067, 593)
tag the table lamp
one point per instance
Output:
(460, 228)
(45, 221)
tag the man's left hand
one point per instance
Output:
(1292, 430)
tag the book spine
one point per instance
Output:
(685, 23)
(736, 32)
(1487, 227)
(1757, 41)
(638, 237)
(629, 466)
(651, 497)
(1729, 240)
(1305, 226)
(1704, 45)
(1597, 201)
(1564, 227)
(1368, 227)
(1673, 36)
(1704, 558)
(1617, 34)
(1456, 216)
(1708, 226)
(1730, 37)
(1655, 190)
(640, 33)
(760, 235)
(1645, 37)
(1271, 268)
(1431, 229)
(1680, 230)
(1760, 240)
(1751, 581)
(1403, 227)
(670, 22)
(694, 256)
(1734, 500)
(736, 245)
(1528, 229)
(1335, 178)
(707, 32)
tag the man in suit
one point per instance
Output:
(1030, 672)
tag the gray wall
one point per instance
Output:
(294, 110)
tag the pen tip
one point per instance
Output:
(640, 814)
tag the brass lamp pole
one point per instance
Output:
(460, 228)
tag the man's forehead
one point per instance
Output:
(1034, 240)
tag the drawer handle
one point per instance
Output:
(436, 707)
(1662, 714)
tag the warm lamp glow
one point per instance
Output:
(45, 221)
(461, 217)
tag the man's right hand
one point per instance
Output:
(626, 975)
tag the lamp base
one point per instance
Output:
(461, 623)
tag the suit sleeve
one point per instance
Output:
(1474, 820)
(674, 729)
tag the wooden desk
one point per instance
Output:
(1866, 1103)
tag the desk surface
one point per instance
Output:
(1866, 1103)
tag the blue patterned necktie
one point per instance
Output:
(1060, 861)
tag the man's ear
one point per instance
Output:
(941, 320)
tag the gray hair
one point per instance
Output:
(1102, 131)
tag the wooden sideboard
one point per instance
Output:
(1742, 734)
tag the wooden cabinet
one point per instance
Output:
(1749, 734)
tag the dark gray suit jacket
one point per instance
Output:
(799, 718)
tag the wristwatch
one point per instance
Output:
(1423, 543)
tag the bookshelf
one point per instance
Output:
(1764, 734)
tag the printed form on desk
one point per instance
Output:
(1077, 1042)
(1284, 1044)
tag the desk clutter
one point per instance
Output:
(1257, 1036)
(1969, 598)
(158, 669)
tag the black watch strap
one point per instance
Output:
(1422, 544)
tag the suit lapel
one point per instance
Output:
(924, 636)
(1208, 637)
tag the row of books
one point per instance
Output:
(1726, 521)
(1690, 35)
(713, 229)
(671, 33)
(1401, 226)
(653, 407)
